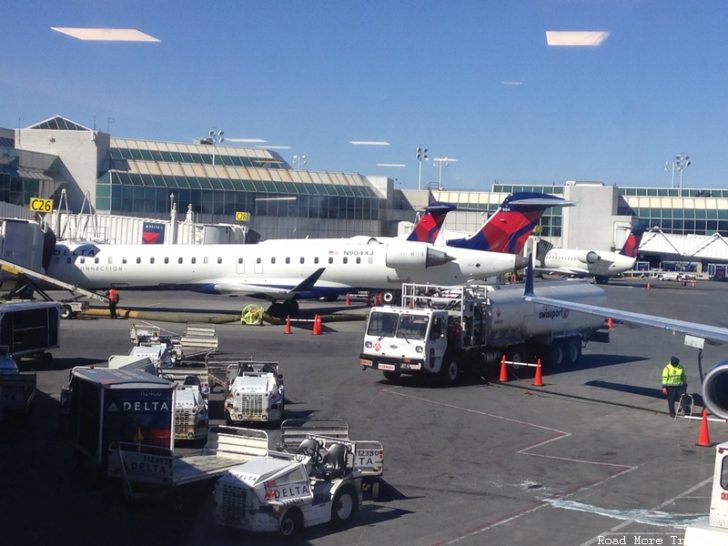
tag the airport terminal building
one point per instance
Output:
(144, 178)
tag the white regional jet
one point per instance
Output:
(280, 272)
(600, 264)
(715, 383)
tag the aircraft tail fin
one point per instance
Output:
(632, 244)
(428, 228)
(510, 226)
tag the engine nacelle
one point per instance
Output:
(715, 390)
(590, 257)
(414, 255)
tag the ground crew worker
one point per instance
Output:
(674, 383)
(113, 296)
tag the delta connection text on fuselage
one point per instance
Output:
(273, 268)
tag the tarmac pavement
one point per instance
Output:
(590, 457)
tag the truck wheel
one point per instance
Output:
(345, 505)
(391, 376)
(291, 523)
(66, 312)
(573, 350)
(557, 355)
(451, 371)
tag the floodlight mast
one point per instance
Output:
(442, 162)
(421, 155)
(215, 138)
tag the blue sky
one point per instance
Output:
(314, 75)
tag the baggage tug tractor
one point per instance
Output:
(449, 330)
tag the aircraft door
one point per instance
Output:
(259, 265)
(239, 265)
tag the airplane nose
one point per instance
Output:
(521, 262)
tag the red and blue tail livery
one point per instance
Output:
(512, 224)
(632, 244)
(428, 228)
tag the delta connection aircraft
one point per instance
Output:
(281, 272)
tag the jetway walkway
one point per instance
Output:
(34, 279)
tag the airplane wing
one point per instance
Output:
(283, 289)
(706, 331)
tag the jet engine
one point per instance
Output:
(590, 257)
(415, 255)
(715, 390)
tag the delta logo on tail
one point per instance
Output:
(632, 244)
(428, 228)
(512, 224)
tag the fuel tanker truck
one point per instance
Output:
(452, 330)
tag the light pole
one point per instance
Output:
(215, 138)
(670, 167)
(299, 160)
(421, 155)
(682, 162)
(442, 162)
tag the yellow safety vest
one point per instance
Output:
(674, 376)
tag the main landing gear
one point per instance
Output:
(283, 309)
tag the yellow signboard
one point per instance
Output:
(41, 205)
(242, 216)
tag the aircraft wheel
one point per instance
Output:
(345, 505)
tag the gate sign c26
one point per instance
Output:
(41, 205)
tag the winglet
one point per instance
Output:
(308, 283)
(528, 290)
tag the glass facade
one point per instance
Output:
(17, 190)
(144, 177)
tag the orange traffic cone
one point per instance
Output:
(538, 378)
(648, 285)
(610, 323)
(503, 377)
(348, 301)
(287, 328)
(704, 436)
(316, 325)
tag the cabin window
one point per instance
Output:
(302, 260)
(219, 260)
(166, 260)
(240, 260)
(96, 260)
(358, 259)
(316, 260)
(138, 260)
(273, 260)
(194, 260)
(123, 260)
(288, 260)
(205, 260)
(331, 259)
(151, 260)
(180, 260)
(345, 260)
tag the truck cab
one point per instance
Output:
(401, 340)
